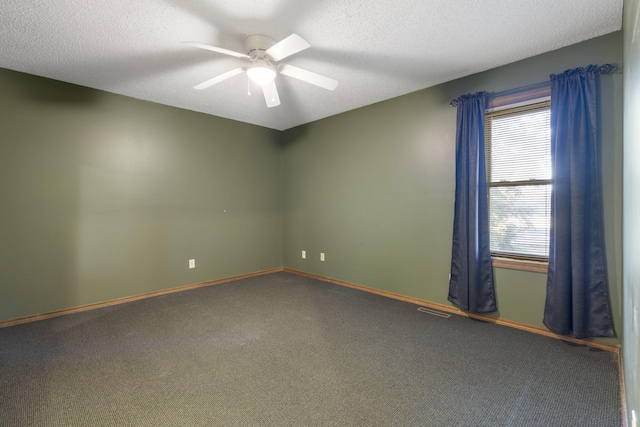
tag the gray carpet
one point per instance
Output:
(285, 350)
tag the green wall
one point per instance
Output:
(373, 188)
(104, 196)
(631, 344)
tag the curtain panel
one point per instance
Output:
(471, 285)
(577, 301)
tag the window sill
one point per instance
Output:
(520, 264)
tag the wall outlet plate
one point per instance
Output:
(304, 254)
(321, 256)
(192, 263)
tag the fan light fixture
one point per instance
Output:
(261, 50)
(261, 72)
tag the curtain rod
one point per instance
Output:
(535, 89)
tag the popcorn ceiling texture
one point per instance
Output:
(377, 50)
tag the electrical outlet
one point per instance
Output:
(321, 256)
(304, 254)
(192, 263)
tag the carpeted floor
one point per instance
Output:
(285, 350)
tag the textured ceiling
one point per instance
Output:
(376, 49)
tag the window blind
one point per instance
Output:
(518, 153)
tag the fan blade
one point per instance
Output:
(219, 78)
(270, 92)
(308, 76)
(217, 49)
(287, 47)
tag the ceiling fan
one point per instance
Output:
(263, 52)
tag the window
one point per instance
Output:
(518, 153)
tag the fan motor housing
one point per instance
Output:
(257, 44)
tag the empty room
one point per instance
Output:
(319, 213)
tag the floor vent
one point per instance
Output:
(434, 312)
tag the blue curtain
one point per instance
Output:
(577, 301)
(471, 283)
